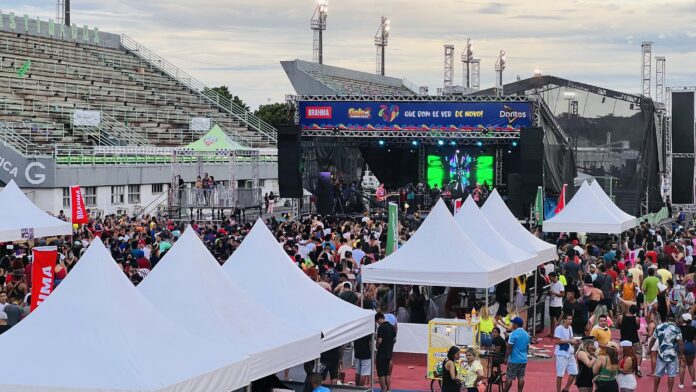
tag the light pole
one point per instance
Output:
(318, 25)
(381, 41)
(499, 68)
(467, 59)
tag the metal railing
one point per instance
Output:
(111, 132)
(21, 144)
(195, 85)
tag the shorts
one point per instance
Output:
(689, 349)
(566, 364)
(363, 367)
(555, 312)
(638, 348)
(383, 367)
(331, 369)
(515, 370)
(668, 368)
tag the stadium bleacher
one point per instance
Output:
(139, 103)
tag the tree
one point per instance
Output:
(224, 91)
(274, 113)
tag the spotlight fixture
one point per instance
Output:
(514, 143)
(381, 142)
(440, 142)
(479, 143)
(414, 142)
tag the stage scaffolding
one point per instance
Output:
(185, 201)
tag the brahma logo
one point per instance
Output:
(318, 112)
(511, 114)
(360, 113)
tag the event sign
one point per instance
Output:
(393, 229)
(415, 116)
(79, 213)
(42, 273)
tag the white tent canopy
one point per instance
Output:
(609, 204)
(586, 213)
(189, 278)
(439, 254)
(97, 333)
(18, 214)
(481, 231)
(264, 270)
(497, 213)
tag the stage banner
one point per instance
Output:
(42, 271)
(415, 116)
(79, 213)
(393, 229)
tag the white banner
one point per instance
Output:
(200, 124)
(86, 118)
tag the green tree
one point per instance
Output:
(273, 113)
(225, 92)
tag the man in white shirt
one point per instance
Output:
(565, 347)
(556, 294)
(689, 252)
(344, 248)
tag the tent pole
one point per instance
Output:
(535, 299)
(372, 361)
(512, 293)
(362, 294)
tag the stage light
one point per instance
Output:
(479, 143)
(440, 142)
(457, 151)
(509, 152)
(414, 142)
(453, 143)
(381, 142)
(514, 144)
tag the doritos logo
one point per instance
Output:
(318, 112)
(511, 114)
(360, 113)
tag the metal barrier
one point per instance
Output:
(218, 197)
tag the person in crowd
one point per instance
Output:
(450, 377)
(386, 336)
(602, 333)
(416, 306)
(556, 294)
(271, 203)
(473, 371)
(518, 346)
(606, 368)
(585, 357)
(628, 367)
(363, 356)
(486, 327)
(316, 380)
(688, 332)
(3, 323)
(564, 350)
(670, 350)
(498, 350)
(576, 309)
(629, 325)
(650, 288)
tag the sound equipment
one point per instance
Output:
(682, 180)
(514, 194)
(325, 194)
(531, 163)
(289, 151)
(683, 122)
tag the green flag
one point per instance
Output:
(393, 229)
(538, 210)
(25, 68)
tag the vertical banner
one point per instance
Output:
(457, 205)
(538, 210)
(393, 229)
(79, 214)
(561, 200)
(42, 273)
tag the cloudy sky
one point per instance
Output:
(239, 43)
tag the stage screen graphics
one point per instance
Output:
(460, 169)
(415, 116)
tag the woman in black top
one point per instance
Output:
(586, 357)
(416, 305)
(450, 382)
(688, 334)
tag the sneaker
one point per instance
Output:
(681, 386)
(693, 384)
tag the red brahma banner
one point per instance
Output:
(79, 213)
(42, 272)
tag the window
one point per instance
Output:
(244, 184)
(89, 195)
(117, 194)
(262, 183)
(133, 194)
(66, 197)
(157, 188)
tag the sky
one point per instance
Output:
(239, 43)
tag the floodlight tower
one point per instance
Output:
(467, 59)
(660, 69)
(499, 68)
(646, 48)
(449, 70)
(318, 25)
(381, 41)
(63, 12)
(476, 74)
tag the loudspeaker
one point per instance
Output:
(682, 123)
(682, 180)
(324, 194)
(531, 163)
(289, 150)
(514, 194)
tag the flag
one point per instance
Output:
(393, 229)
(538, 209)
(79, 214)
(457, 205)
(561, 200)
(25, 68)
(42, 273)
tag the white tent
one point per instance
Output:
(586, 213)
(481, 231)
(439, 254)
(265, 271)
(190, 288)
(97, 333)
(609, 204)
(20, 219)
(497, 213)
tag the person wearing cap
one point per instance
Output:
(628, 367)
(688, 334)
(516, 355)
(629, 325)
(670, 350)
